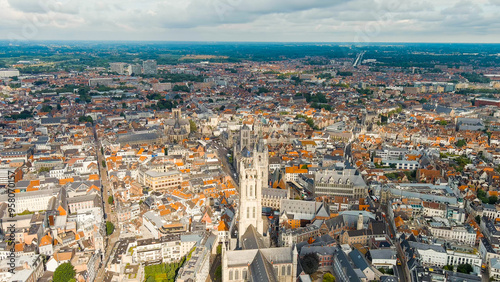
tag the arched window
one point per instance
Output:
(236, 274)
(253, 212)
(251, 194)
(289, 270)
(244, 274)
(283, 270)
(248, 212)
(231, 274)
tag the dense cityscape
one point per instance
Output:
(249, 162)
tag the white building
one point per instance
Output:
(167, 249)
(458, 234)
(383, 257)
(31, 201)
(457, 257)
(8, 73)
(431, 209)
(431, 254)
(153, 222)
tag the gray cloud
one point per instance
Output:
(274, 20)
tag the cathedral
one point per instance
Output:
(248, 257)
(176, 129)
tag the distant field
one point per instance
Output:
(202, 57)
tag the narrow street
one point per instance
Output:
(213, 268)
(109, 215)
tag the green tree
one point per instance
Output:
(304, 166)
(465, 268)
(219, 249)
(103, 163)
(492, 200)
(478, 219)
(460, 143)
(310, 263)
(46, 108)
(111, 200)
(64, 272)
(182, 88)
(328, 277)
(85, 119)
(110, 228)
(218, 273)
(192, 126)
(44, 169)
(448, 267)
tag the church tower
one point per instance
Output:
(253, 176)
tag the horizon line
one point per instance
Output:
(246, 42)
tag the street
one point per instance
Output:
(108, 214)
(214, 266)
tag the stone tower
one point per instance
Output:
(360, 221)
(253, 174)
(177, 113)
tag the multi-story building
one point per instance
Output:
(160, 181)
(134, 69)
(345, 183)
(473, 258)
(292, 173)
(430, 254)
(390, 153)
(166, 249)
(296, 212)
(26, 268)
(290, 237)
(8, 73)
(465, 235)
(432, 209)
(18, 152)
(119, 68)
(32, 201)
(402, 164)
(82, 203)
(271, 197)
(197, 268)
(149, 67)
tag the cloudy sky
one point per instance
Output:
(255, 20)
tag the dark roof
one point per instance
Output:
(252, 239)
(358, 260)
(261, 270)
(378, 228)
